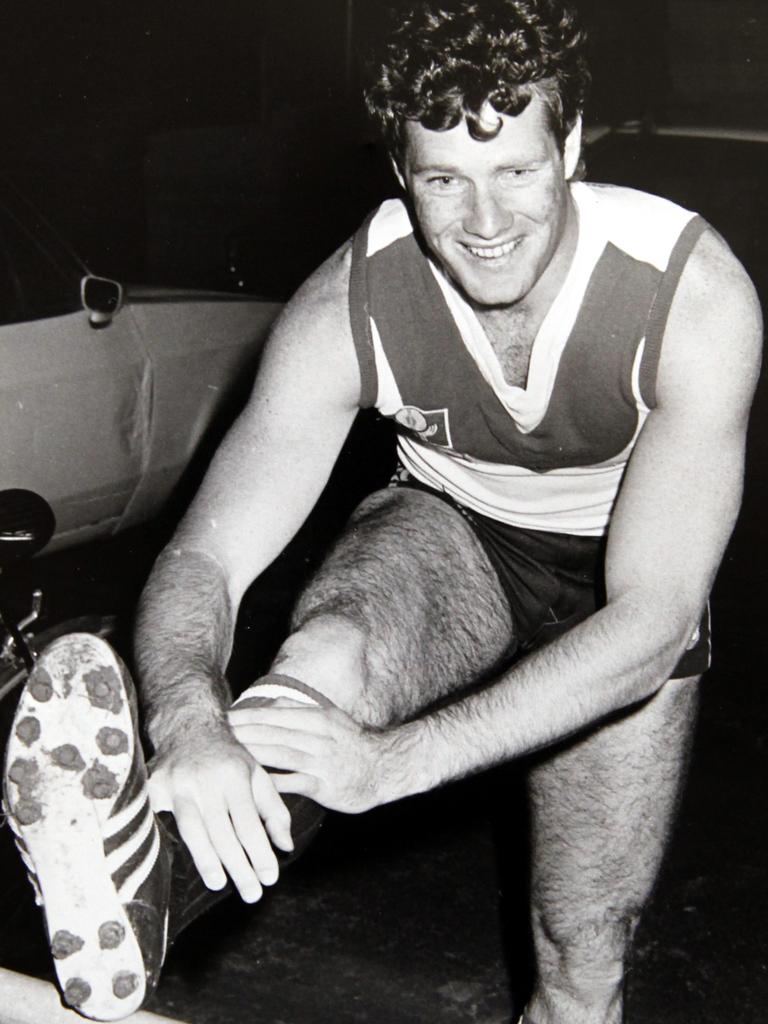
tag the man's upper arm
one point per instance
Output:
(276, 459)
(682, 489)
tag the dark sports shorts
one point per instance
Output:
(553, 581)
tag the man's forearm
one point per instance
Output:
(183, 640)
(599, 667)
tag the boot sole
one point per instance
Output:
(69, 756)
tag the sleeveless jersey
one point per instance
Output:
(550, 455)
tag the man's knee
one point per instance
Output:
(389, 502)
(414, 590)
(328, 652)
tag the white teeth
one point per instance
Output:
(492, 252)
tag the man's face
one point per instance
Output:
(496, 213)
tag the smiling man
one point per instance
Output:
(570, 369)
(497, 218)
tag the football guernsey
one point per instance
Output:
(550, 455)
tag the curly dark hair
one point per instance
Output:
(446, 58)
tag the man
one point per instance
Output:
(565, 363)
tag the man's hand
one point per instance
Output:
(226, 808)
(325, 754)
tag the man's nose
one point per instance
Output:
(485, 217)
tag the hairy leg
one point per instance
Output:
(405, 610)
(602, 809)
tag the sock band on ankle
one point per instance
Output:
(276, 684)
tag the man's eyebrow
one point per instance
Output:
(435, 169)
(457, 172)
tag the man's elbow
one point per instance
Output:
(663, 630)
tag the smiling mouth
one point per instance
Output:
(492, 252)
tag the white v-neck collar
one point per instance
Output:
(528, 405)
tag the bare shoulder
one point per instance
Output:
(312, 337)
(321, 304)
(713, 338)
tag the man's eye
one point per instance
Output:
(442, 181)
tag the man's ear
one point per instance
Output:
(397, 172)
(572, 149)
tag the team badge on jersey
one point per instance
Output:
(431, 425)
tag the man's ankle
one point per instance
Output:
(582, 1003)
(306, 816)
(274, 685)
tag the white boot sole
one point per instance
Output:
(63, 779)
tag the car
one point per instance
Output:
(108, 391)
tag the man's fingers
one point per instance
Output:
(299, 783)
(270, 738)
(224, 838)
(195, 835)
(281, 735)
(303, 719)
(228, 813)
(273, 811)
(253, 839)
(275, 756)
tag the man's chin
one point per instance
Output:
(488, 287)
(483, 295)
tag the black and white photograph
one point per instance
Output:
(382, 512)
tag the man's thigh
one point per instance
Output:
(411, 577)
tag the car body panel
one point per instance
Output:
(73, 412)
(102, 412)
(102, 423)
(198, 373)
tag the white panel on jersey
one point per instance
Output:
(576, 500)
(645, 227)
(390, 223)
(388, 400)
(637, 393)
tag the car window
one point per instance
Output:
(33, 285)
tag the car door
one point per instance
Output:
(74, 400)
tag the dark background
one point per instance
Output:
(172, 141)
(224, 144)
